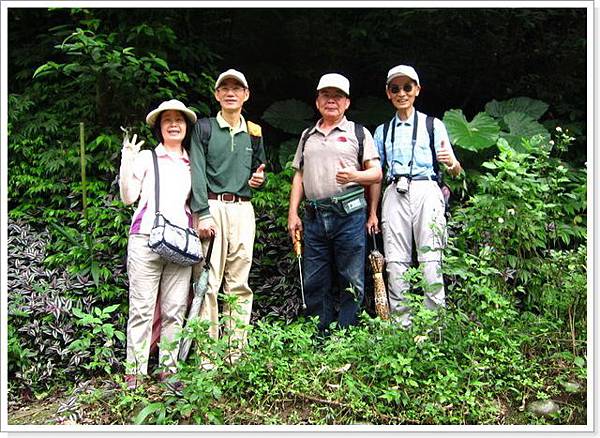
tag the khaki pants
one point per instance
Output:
(418, 213)
(230, 261)
(149, 276)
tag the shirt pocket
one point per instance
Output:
(423, 155)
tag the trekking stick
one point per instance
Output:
(298, 251)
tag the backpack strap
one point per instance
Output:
(359, 131)
(307, 133)
(205, 132)
(386, 128)
(255, 133)
(436, 166)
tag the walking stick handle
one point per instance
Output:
(297, 242)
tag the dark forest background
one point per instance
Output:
(465, 56)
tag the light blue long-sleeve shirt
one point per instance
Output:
(398, 156)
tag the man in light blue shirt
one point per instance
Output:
(413, 204)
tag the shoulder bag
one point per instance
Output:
(173, 243)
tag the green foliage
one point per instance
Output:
(522, 126)
(448, 368)
(100, 331)
(274, 275)
(480, 133)
(533, 108)
(114, 75)
(513, 120)
(529, 203)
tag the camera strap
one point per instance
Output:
(414, 140)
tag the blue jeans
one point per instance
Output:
(334, 252)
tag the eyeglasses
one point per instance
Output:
(236, 90)
(395, 89)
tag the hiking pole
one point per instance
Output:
(298, 251)
(377, 262)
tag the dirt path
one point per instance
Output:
(35, 412)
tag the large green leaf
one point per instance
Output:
(370, 111)
(521, 125)
(291, 115)
(480, 133)
(532, 107)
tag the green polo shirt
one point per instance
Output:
(225, 166)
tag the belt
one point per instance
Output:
(414, 178)
(227, 197)
(418, 178)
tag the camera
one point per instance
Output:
(402, 185)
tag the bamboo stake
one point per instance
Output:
(82, 159)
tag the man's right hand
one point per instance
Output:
(294, 223)
(372, 224)
(207, 228)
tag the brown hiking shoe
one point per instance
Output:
(131, 381)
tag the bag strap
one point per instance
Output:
(156, 183)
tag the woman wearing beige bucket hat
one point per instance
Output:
(150, 276)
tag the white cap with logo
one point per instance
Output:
(231, 74)
(403, 70)
(334, 80)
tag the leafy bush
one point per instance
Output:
(528, 204)
(274, 276)
(448, 368)
(48, 343)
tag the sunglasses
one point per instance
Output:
(395, 89)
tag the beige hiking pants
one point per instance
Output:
(418, 213)
(230, 261)
(149, 276)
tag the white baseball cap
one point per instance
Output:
(172, 104)
(403, 70)
(334, 80)
(231, 74)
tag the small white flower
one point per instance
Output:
(500, 220)
(551, 142)
(510, 211)
(558, 129)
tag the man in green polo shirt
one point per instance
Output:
(224, 172)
